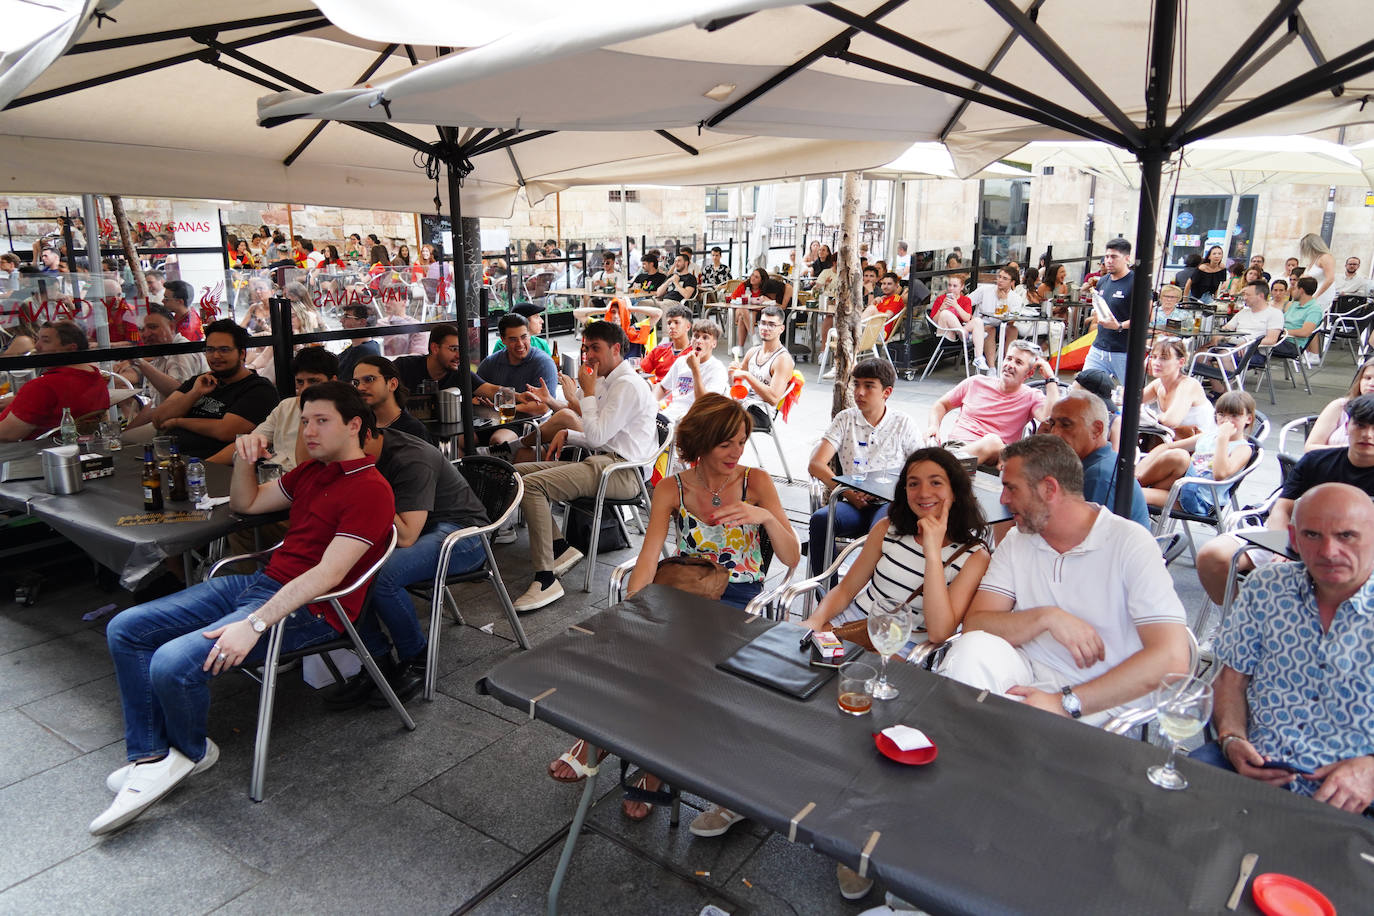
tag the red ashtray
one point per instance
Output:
(1280, 895)
(888, 748)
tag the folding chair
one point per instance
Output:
(500, 490)
(1224, 498)
(275, 658)
(595, 506)
(1348, 321)
(1303, 427)
(1211, 364)
(870, 340)
(943, 342)
(766, 421)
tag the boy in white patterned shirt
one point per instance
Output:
(868, 435)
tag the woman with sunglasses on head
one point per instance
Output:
(1180, 402)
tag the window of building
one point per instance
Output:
(1003, 215)
(1198, 221)
(631, 196)
(717, 200)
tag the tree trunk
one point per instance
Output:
(848, 295)
(126, 240)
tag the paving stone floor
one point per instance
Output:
(361, 816)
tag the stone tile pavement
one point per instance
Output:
(361, 816)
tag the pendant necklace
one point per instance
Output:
(715, 494)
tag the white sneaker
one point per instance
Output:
(829, 374)
(505, 536)
(146, 784)
(115, 781)
(536, 596)
(1312, 359)
(566, 561)
(980, 364)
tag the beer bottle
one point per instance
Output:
(176, 478)
(555, 357)
(152, 482)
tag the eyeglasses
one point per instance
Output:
(221, 351)
(359, 380)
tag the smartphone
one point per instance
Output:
(1285, 765)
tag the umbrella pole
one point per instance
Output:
(1151, 171)
(460, 306)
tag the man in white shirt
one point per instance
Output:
(869, 435)
(1350, 284)
(694, 373)
(616, 419)
(1076, 599)
(988, 301)
(901, 265)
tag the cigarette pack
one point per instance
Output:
(829, 645)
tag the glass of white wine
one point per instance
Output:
(1185, 704)
(888, 629)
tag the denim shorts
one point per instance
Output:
(1196, 499)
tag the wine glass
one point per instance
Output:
(1185, 704)
(888, 630)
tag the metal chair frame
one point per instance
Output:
(440, 593)
(964, 342)
(774, 412)
(268, 694)
(1241, 353)
(1169, 513)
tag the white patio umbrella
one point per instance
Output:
(986, 79)
(35, 35)
(933, 161)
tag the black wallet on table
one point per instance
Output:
(776, 658)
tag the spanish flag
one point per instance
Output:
(1072, 356)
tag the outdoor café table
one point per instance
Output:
(484, 417)
(1021, 812)
(987, 489)
(135, 552)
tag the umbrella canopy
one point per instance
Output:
(848, 70)
(1235, 165)
(162, 103)
(36, 36)
(932, 160)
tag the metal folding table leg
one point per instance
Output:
(583, 806)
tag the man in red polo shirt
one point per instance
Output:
(166, 651)
(38, 406)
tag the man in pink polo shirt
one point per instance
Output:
(996, 411)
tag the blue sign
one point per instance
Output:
(1184, 219)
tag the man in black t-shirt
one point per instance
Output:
(1113, 311)
(433, 500)
(649, 278)
(681, 285)
(209, 410)
(440, 366)
(1353, 464)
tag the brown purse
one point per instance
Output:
(694, 575)
(857, 631)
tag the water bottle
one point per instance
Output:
(67, 431)
(861, 461)
(195, 480)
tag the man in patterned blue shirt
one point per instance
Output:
(1294, 701)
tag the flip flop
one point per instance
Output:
(580, 769)
(641, 783)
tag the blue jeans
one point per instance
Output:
(739, 594)
(416, 563)
(1115, 363)
(1210, 753)
(159, 649)
(849, 522)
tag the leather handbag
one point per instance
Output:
(694, 575)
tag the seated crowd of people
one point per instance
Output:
(1009, 603)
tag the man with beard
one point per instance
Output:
(208, 411)
(163, 374)
(440, 366)
(1075, 597)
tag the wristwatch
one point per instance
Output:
(259, 625)
(1070, 703)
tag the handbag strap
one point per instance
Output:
(963, 549)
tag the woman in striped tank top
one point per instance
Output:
(933, 518)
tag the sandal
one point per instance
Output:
(579, 767)
(641, 783)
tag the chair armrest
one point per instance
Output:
(789, 594)
(616, 591)
(366, 575)
(256, 555)
(765, 600)
(1123, 723)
